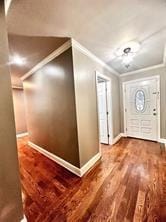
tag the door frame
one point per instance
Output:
(155, 77)
(109, 104)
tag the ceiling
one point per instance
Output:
(100, 26)
(33, 49)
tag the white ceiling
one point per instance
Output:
(99, 25)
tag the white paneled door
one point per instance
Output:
(141, 108)
(103, 117)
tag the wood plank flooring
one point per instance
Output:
(128, 184)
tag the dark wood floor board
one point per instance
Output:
(127, 185)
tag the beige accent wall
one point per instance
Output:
(10, 192)
(86, 104)
(50, 108)
(162, 73)
(19, 110)
(61, 107)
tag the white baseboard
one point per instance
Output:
(161, 140)
(22, 135)
(117, 138)
(78, 171)
(55, 158)
(90, 163)
(123, 135)
(24, 219)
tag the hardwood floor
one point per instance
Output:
(129, 184)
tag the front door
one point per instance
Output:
(141, 109)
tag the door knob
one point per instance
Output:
(154, 114)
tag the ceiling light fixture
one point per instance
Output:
(18, 60)
(127, 52)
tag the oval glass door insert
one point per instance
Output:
(140, 100)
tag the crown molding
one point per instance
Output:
(47, 59)
(7, 5)
(86, 52)
(62, 49)
(142, 70)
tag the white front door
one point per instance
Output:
(102, 107)
(141, 109)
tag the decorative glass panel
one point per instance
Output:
(140, 100)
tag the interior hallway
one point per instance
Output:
(129, 184)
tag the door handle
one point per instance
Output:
(154, 114)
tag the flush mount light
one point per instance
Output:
(18, 60)
(127, 52)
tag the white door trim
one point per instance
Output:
(109, 102)
(157, 78)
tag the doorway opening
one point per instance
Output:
(19, 111)
(104, 103)
(141, 102)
